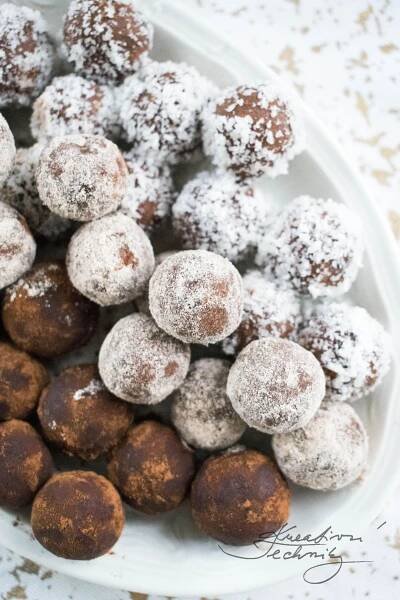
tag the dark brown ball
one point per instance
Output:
(45, 315)
(79, 415)
(25, 463)
(239, 496)
(152, 468)
(22, 380)
(77, 515)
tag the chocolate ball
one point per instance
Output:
(106, 40)
(7, 149)
(81, 177)
(45, 315)
(22, 380)
(25, 463)
(152, 468)
(77, 515)
(79, 415)
(239, 496)
(17, 246)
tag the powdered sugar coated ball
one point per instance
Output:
(140, 363)
(17, 246)
(268, 310)
(106, 40)
(150, 192)
(110, 260)
(252, 130)
(81, 177)
(328, 453)
(160, 110)
(314, 246)
(7, 149)
(352, 347)
(216, 213)
(276, 385)
(20, 191)
(196, 296)
(72, 104)
(201, 410)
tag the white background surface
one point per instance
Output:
(344, 59)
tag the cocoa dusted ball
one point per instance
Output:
(26, 55)
(22, 379)
(239, 496)
(7, 149)
(196, 296)
(152, 468)
(79, 415)
(45, 315)
(77, 515)
(81, 177)
(140, 363)
(17, 246)
(25, 463)
(106, 40)
(252, 130)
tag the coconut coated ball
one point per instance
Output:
(196, 296)
(276, 385)
(17, 246)
(43, 314)
(79, 415)
(106, 40)
(152, 468)
(252, 130)
(140, 363)
(150, 192)
(7, 149)
(160, 110)
(81, 177)
(352, 347)
(201, 410)
(215, 212)
(26, 55)
(110, 261)
(328, 453)
(20, 191)
(268, 310)
(74, 105)
(25, 463)
(22, 379)
(77, 515)
(239, 496)
(314, 247)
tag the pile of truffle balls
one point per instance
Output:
(237, 322)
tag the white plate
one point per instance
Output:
(166, 555)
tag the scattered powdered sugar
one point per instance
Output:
(327, 454)
(111, 260)
(142, 302)
(215, 212)
(26, 54)
(352, 347)
(106, 40)
(253, 130)
(81, 177)
(160, 110)
(71, 105)
(20, 191)
(196, 296)
(7, 149)
(140, 363)
(314, 246)
(93, 388)
(201, 410)
(17, 246)
(268, 310)
(36, 285)
(150, 191)
(276, 385)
